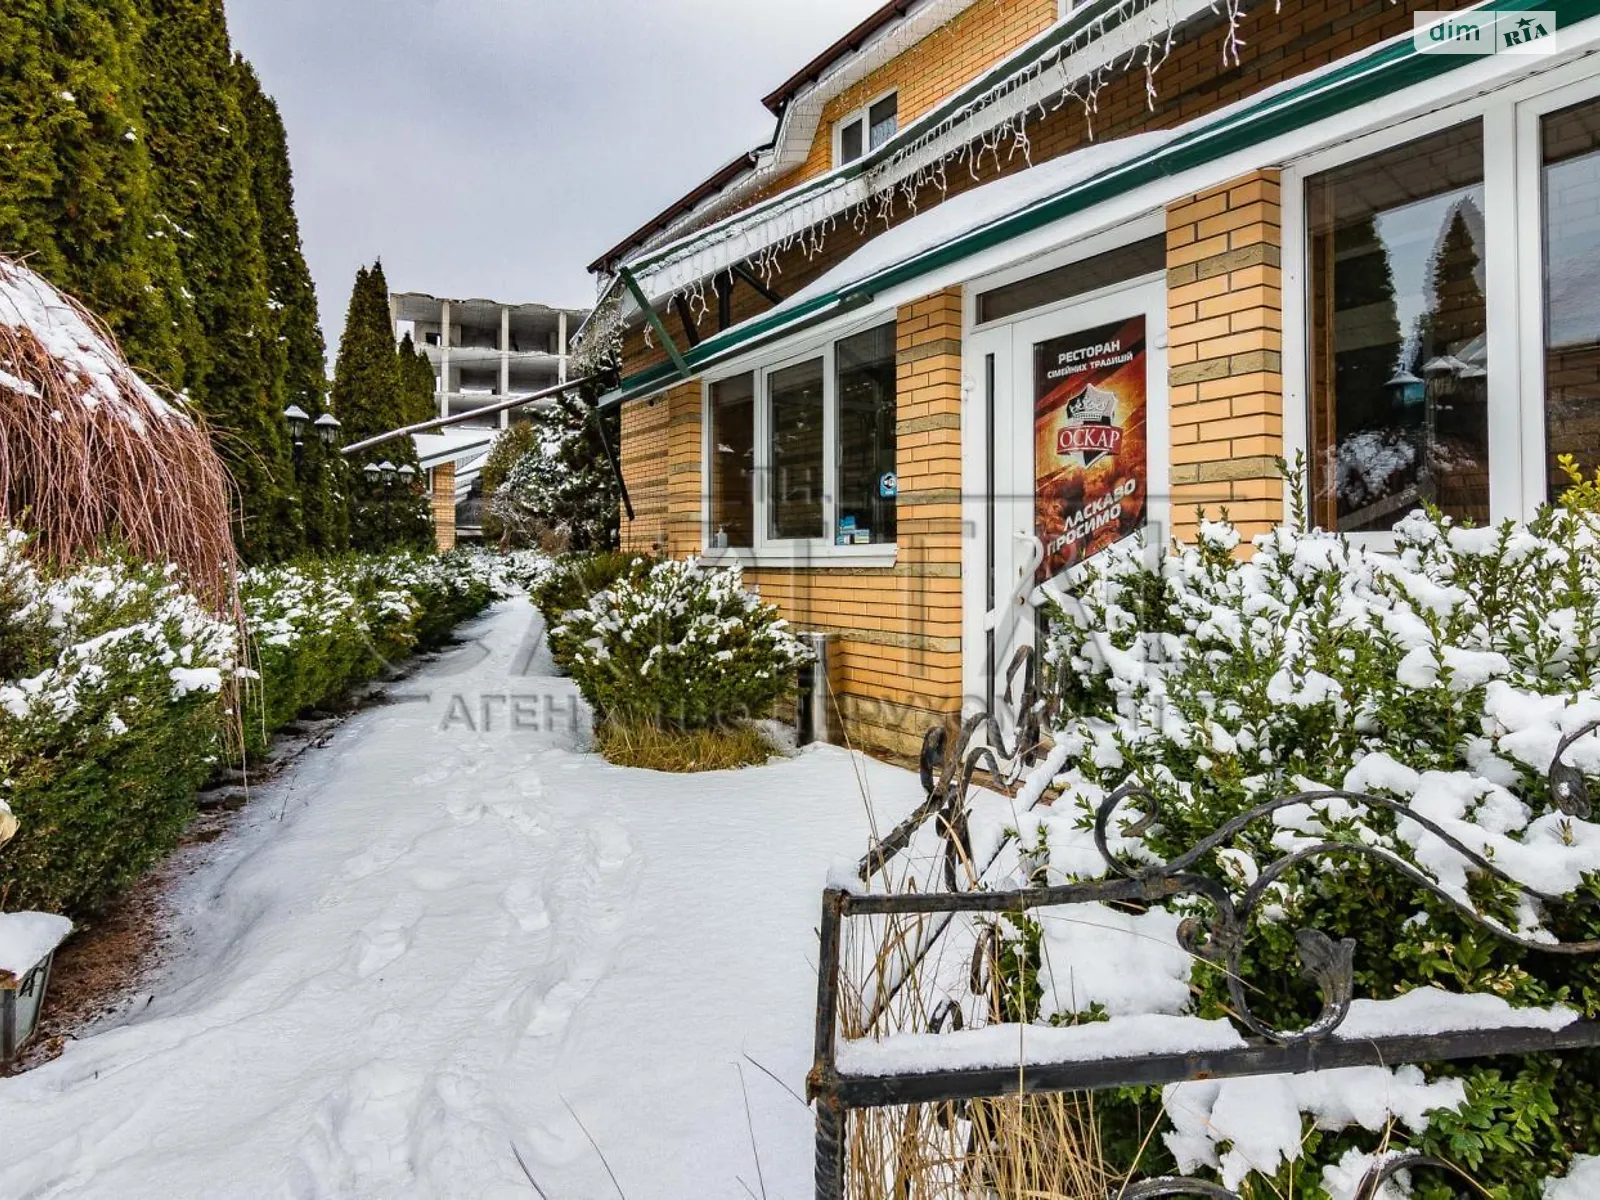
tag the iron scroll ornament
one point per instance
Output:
(947, 779)
(1329, 964)
(1174, 1187)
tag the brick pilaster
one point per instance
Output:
(442, 501)
(1225, 336)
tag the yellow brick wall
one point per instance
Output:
(1225, 337)
(442, 502)
(898, 669)
(931, 70)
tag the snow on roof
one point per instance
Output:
(452, 445)
(29, 305)
(971, 210)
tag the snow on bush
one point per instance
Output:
(560, 491)
(319, 628)
(566, 584)
(115, 687)
(1442, 677)
(109, 720)
(523, 570)
(680, 645)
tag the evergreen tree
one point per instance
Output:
(561, 491)
(199, 145)
(77, 182)
(515, 442)
(417, 384)
(296, 351)
(1457, 310)
(368, 396)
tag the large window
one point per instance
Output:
(731, 461)
(1570, 182)
(795, 451)
(867, 480)
(1399, 343)
(800, 457)
(866, 129)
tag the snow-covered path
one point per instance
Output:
(444, 937)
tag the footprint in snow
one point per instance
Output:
(434, 879)
(381, 943)
(526, 906)
(519, 818)
(609, 846)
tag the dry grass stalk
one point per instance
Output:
(1044, 1147)
(91, 455)
(660, 748)
(915, 973)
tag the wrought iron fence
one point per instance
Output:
(926, 920)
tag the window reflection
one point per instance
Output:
(795, 464)
(867, 481)
(732, 461)
(1570, 146)
(1399, 346)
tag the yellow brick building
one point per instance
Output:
(1015, 279)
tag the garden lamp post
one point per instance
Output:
(297, 420)
(327, 426)
(388, 470)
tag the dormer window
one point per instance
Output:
(865, 129)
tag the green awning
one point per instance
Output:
(1371, 76)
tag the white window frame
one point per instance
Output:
(860, 114)
(1513, 277)
(789, 552)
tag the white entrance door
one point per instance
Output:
(1069, 441)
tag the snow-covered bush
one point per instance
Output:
(1441, 677)
(116, 686)
(320, 627)
(110, 719)
(567, 583)
(681, 646)
(523, 570)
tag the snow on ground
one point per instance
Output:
(442, 938)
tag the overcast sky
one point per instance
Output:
(496, 147)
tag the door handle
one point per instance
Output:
(1035, 550)
(1021, 591)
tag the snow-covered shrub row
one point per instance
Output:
(117, 687)
(680, 645)
(111, 680)
(320, 627)
(1442, 676)
(523, 570)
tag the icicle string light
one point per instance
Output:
(1046, 86)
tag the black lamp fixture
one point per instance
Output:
(327, 427)
(386, 471)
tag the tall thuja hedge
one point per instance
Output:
(296, 351)
(200, 145)
(369, 396)
(417, 385)
(77, 185)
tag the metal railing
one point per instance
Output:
(930, 919)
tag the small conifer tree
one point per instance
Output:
(369, 398)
